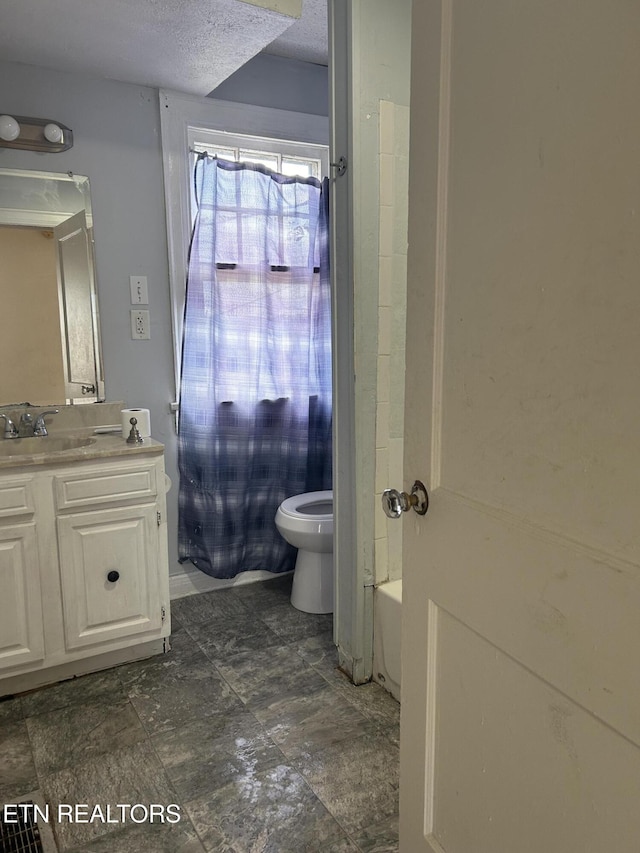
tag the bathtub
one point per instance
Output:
(387, 621)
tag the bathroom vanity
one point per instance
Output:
(83, 555)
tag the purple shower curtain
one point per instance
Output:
(255, 403)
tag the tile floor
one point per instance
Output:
(246, 724)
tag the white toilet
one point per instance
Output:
(306, 521)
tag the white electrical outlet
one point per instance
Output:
(140, 325)
(139, 290)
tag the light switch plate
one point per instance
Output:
(139, 290)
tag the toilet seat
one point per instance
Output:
(316, 506)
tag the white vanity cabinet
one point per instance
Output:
(84, 581)
(21, 624)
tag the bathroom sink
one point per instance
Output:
(45, 444)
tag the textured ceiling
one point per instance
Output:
(307, 38)
(185, 45)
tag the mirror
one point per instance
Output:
(49, 331)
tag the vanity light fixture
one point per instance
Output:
(9, 128)
(34, 134)
(53, 132)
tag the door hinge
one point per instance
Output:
(159, 518)
(163, 613)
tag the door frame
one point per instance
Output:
(353, 552)
(353, 608)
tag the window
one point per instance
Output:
(258, 132)
(283, 156)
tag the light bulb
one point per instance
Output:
(53, 133)
(9, 128)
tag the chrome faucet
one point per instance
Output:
(25, 426)
(10, 430)
(39, 426)
(29, 425)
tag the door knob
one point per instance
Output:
(394, 503)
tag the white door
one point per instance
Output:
(521, 635)
(76, 294)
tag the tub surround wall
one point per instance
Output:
(392, 301)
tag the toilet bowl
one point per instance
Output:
(306, 522)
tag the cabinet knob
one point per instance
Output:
(113, 576)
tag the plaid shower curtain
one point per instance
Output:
(255, 402)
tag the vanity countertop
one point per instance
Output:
(61, 447)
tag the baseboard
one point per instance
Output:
(37, 678)
(190, 581)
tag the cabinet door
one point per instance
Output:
(121, 544)
(21, 632)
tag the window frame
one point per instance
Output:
(179, 114)
(207, 139)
